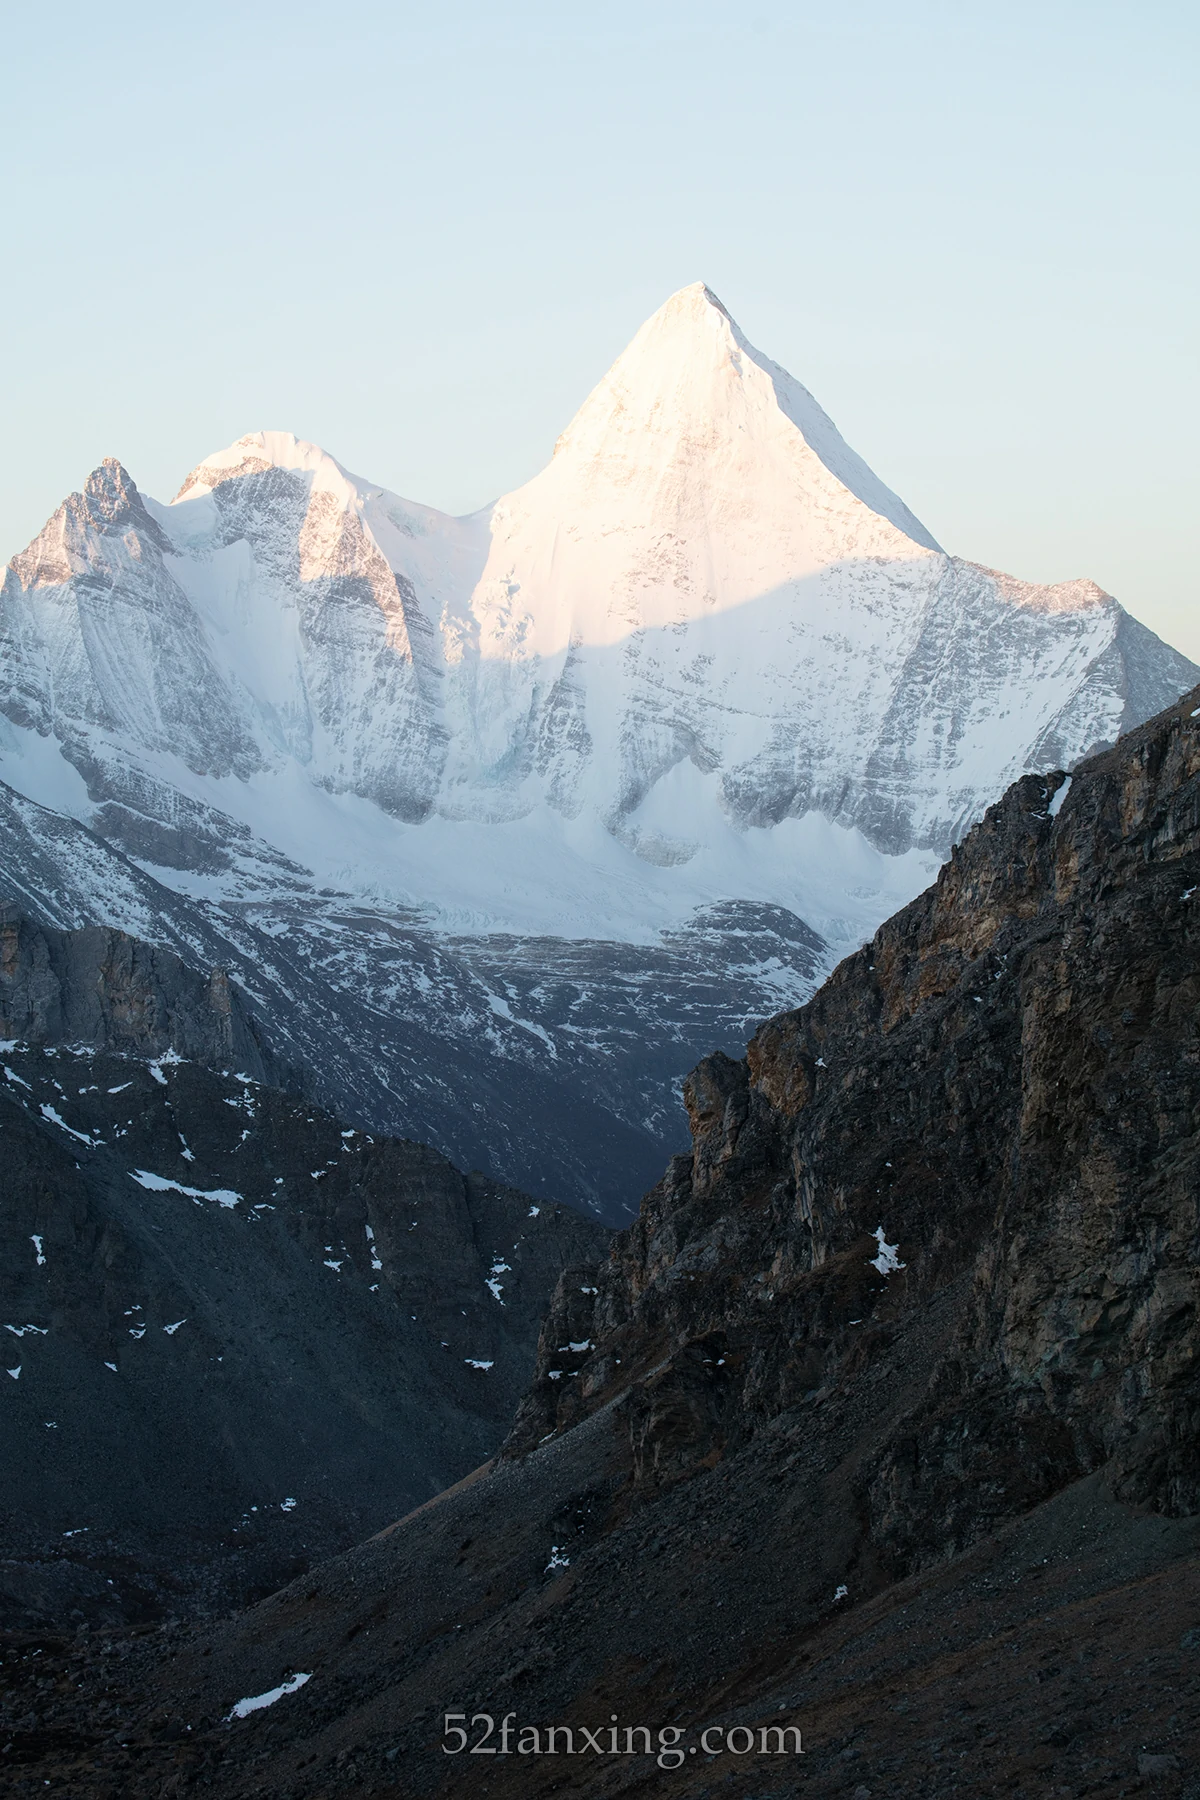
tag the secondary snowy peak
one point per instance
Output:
(109, 505)
(264, 482)
(258, 451)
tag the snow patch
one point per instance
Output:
(159, 1184)
(493, 1283)
(49, 1112)
(256, 1702)
(887, 1261)
(1055, 806)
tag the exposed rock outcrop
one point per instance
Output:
(109, 991)
(1004, 1087)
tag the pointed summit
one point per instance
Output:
(694, 301)
(108, 505)
(691, 373)
(697, 476)
(110, 502)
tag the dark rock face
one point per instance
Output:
(109, 991)
(1006, 1084)
(883, 1417)
(238, 1334)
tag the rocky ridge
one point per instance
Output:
(995, 1098)
(555, 1061)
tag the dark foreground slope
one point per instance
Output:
(883, 1420)
(236, 1334)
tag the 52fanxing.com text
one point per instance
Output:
(481, 1735)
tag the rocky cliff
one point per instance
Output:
(994, 1101)
(101, 988)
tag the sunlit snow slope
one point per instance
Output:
(705, 657)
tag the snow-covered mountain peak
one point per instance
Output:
(107, 506)
(111, 492)
(412, 540)
(654, 737)
(697, 476)
(693, 395)
(703, 655)
(258, 451)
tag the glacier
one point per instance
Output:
(502, 820)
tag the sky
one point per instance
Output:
(418, 235)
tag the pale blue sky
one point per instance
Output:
(418, 235)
